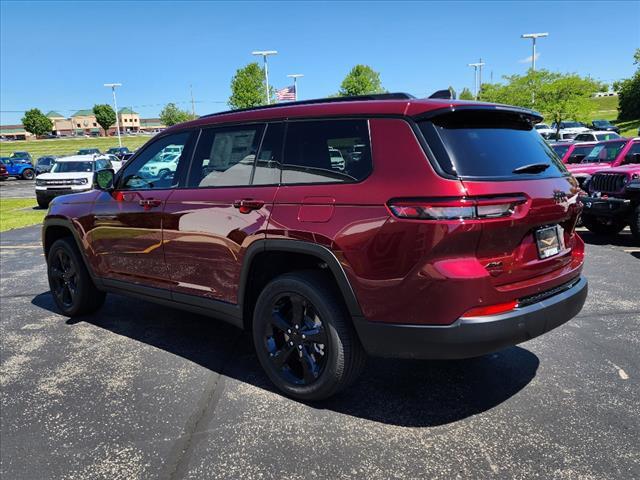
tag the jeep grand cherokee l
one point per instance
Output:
(448, 232)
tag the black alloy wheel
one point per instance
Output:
(304, 337)
(295, 339)
(64, 278)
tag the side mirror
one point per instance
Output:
(103, 179)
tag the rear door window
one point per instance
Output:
(488, 144)
(327, 151)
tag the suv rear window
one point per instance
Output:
(488, 144)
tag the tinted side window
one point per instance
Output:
(158, 166)
(267, 169)
(224, 156)
(327, 151)
(633, 151)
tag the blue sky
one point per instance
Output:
(57, 55)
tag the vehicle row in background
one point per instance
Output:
(578, 131)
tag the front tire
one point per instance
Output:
(602, 226)
(73, 290)
(304, 338)
(28, 174)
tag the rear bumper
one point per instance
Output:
(472, 337)
(609, 206)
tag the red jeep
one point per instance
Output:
(335, 228)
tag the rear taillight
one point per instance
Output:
(468, 208)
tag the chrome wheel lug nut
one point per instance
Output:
(299, 347)
(304, 336)
(289, 330)
(291, 343)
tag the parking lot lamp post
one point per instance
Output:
(115, 105)
(476, 87)
(295, 77)
(534, 36)
(265, 54)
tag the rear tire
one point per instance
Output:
(28, 174)
(43, 203)
(71, 286)
(635, 224)
(602, 226)
(304, 338)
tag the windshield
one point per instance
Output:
(87, 151)
(19, 155)
(44, 161)
(601, 123)
(68, 167)
(571, 125)
(487, 143)
(607, 136)
(541, 126)
(560, 149)
(604, 153)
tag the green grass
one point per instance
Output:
(606, 108)
(19, 212)
(69, 146)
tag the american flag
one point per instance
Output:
(287, 93)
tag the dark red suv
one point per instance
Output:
(332, 229)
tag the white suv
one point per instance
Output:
(72, 174)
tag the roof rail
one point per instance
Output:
(355, 98)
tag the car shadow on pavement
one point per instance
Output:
(413, 393)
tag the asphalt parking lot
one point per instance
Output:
(15, 188)
(142, 391)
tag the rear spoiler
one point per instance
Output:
(533, 116)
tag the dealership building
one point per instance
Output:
(83, 122)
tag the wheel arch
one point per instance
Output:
(283, 256)
(56, 228)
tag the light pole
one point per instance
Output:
(264, 54)
(115, 105)
(534, 37)
(295, 77)
(476, 66)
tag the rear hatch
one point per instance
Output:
(526, 200)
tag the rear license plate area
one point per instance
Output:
(549, 241)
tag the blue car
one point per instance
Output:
(19, 167)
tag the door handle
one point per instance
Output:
(148, 203)
(248, 204)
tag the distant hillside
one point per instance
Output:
(606, 108)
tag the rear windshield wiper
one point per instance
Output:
(532, 168)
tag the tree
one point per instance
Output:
(466, 94)
(248, 87)
(558, 96)
(36, 122)
(105, 116)
(629, 93)
(361, 80)
(171, 115)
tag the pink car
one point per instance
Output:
(613, 201)
(607, 154)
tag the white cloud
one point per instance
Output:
(528, 59)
